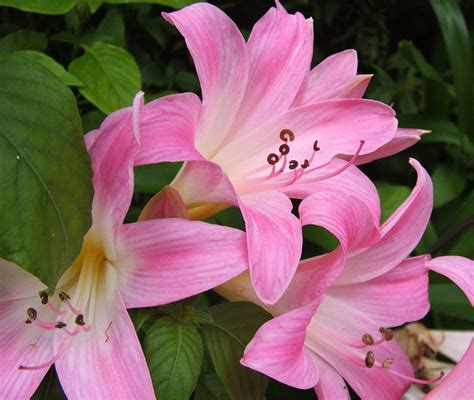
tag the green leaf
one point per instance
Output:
(234, 325)
(448, 184)
(110, 75)
(416, 58)
(110, 30)
(447, 299)
(94, 5)
(456, 38)
(210, 387)
(169, 3)
(45, 179)
(57, 69)
(174, 354)
(23, 39)
(41, 6)
(464, 244)
(320, 237)
(391, 196)
(152, 178)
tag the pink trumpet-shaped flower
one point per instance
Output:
(259, 136)
(84, 329)
(332, 324)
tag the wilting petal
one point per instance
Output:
(353, 182)
(392, 299)
(161, 261)
(403, 139)
(339, 126)
(21, 344)
(330, 385)
(222, 63)
(280, 50)
(452, 344)
(167, 129)
(337, 66)
(274, 242)
(16, 283)
(106, 365)
(113, 153)
(459, 269)
(277, 350)
(459, 383)
(400, 234)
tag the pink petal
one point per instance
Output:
(113, 151)
(161, 261)
(16, 283)
(459, 383)
(222, 63)
(21, 344)
(337, 66)
(165, 204)
(459, 269)
(277, 350)
(280, 50)
(400, 234)
(338, 125)
(331, 385)
(167, 129)
(352, 87)
(269, 220)
(392, 299)
(95, 368)
(352, 182)
(403, 139)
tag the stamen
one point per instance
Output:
(415, 380)
(386, 333)
(305, 164)
(387, 362)
(71, 333)
(80, 320)
(367, 339)
(284, 149)
(32, 314)
(369, 359)
(73, 310)
(272, 158)
(46, 325)
(60, 325)
(287, 135)
(293, 164)
(63, 296)
(44, 297)
(41, 366)
(56, 310)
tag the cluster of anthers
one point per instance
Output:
(279, 163)
(370, 360)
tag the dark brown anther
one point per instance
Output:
(367, 339)
(293, 164)
(80, 320)
(31, 313)
(60, 325)
(370, 359)
(287, 134)
(28, 321)
(315, 146)
(63, 296)
(305, 164)
(387, 362)
(386, 333)
(272, 159)
(284, 149)
(44, 297)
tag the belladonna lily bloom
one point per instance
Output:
(84, 329)
(333, 323)
(259, 136)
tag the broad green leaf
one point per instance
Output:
(234, 325)
(41, 6)
(448, 299)
(169, 3)
(92, 120)
(152, 178)
(230, 216)
(418, 60)
(110, 75)
(50, 63)
(391, 196)
(456, 38)
(174, 354)
(210, 387)
(110, 30)
(429, 238)
(464, 244)
(448, 183)
(23, 39)
(45, 178)
(320, 237)
(94, 5)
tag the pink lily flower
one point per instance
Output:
(84, 329)
(332, 324)
(248, 144)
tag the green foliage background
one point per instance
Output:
(105, 51)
